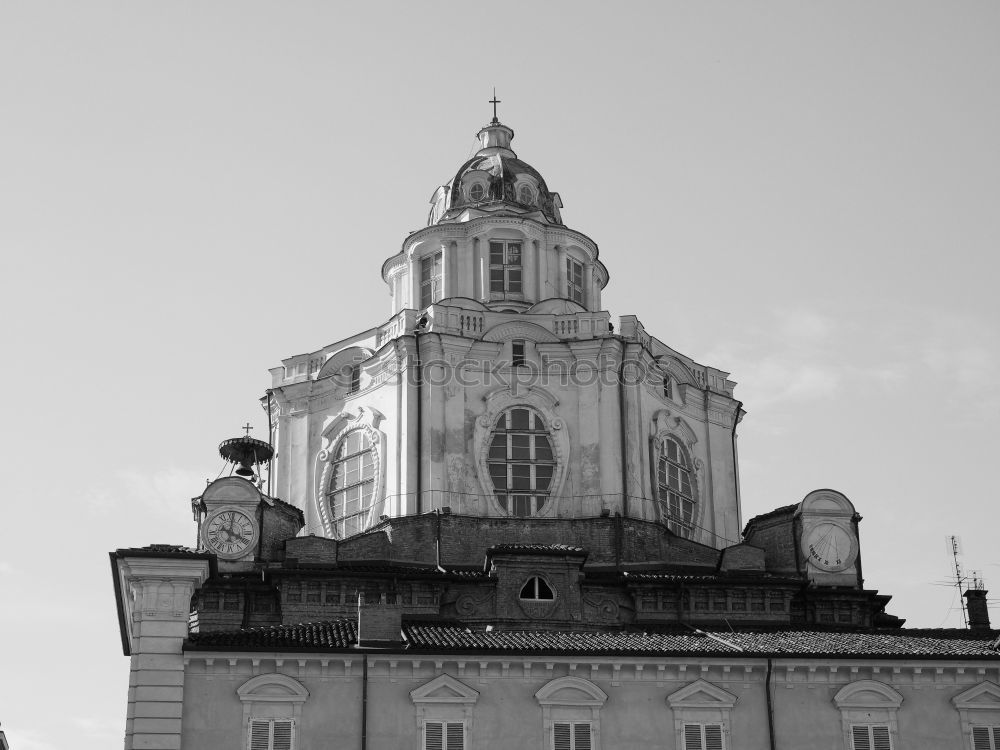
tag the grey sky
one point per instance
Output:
(804, 194)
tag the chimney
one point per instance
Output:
(975, 604)
(379, 623)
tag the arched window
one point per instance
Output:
(520, 462)
(352, 483)
(673, 479)
(536, 588)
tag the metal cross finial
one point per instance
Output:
(494, 101)
(247, 427)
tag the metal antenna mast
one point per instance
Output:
(956, 550)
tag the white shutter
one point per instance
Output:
(692, 737)
(880, 738)
(282, 735)
(455, 736)
(561, 736)
(713, 737)
(986, 738)
(260, 735)
(860, 738)
(433, 735)
(581, 736)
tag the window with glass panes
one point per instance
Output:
(352, 483)
(668, 391)
(270, 734)
(574, 280)
(703, 737)
(505, 267)
(517, 353)
(571, 735)
(985, 738)
(520, 461)
(430, 280)
(525, 196)
(870, 737)
(673, 480)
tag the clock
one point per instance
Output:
(229, 533)
(829, 546)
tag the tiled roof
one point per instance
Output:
(543, 549)
(345, 567)
(335, 634)
(168, 550)
(445, 637)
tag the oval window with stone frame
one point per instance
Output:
(525, 196)
(676, 494)
(477, 192)
(521, 462)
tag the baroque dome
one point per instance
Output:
(495, 181)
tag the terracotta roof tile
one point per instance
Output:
(544, 549)
(444, 637)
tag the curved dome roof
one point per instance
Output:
(495, 179)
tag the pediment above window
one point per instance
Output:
(570, 691)
(701, 694)
(984, 695)
(444, 689)
(868, 694)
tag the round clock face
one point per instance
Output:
(229, 533)
(829, 546)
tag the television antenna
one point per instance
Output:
(955, 547)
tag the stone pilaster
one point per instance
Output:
(155, 602)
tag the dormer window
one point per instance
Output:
(535, 588)
(525, 196)
(505, 267)
(477, 192)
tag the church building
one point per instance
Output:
(501, 519)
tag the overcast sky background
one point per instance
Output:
(803, 194)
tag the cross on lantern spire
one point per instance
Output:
(494, 101)
(247, 427)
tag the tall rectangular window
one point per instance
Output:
(517, 353)
(571, 736)
(870, 737)
(574, 280)
(355, 385)
(270, 734)
(444, 735)
(703, 737)
(430, 280)
(505, 267)
(986, 738)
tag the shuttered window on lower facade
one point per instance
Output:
(870, 737)
(703, 737)
(444, 735)
(271, 734)
(571, 736)
(986, 738)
